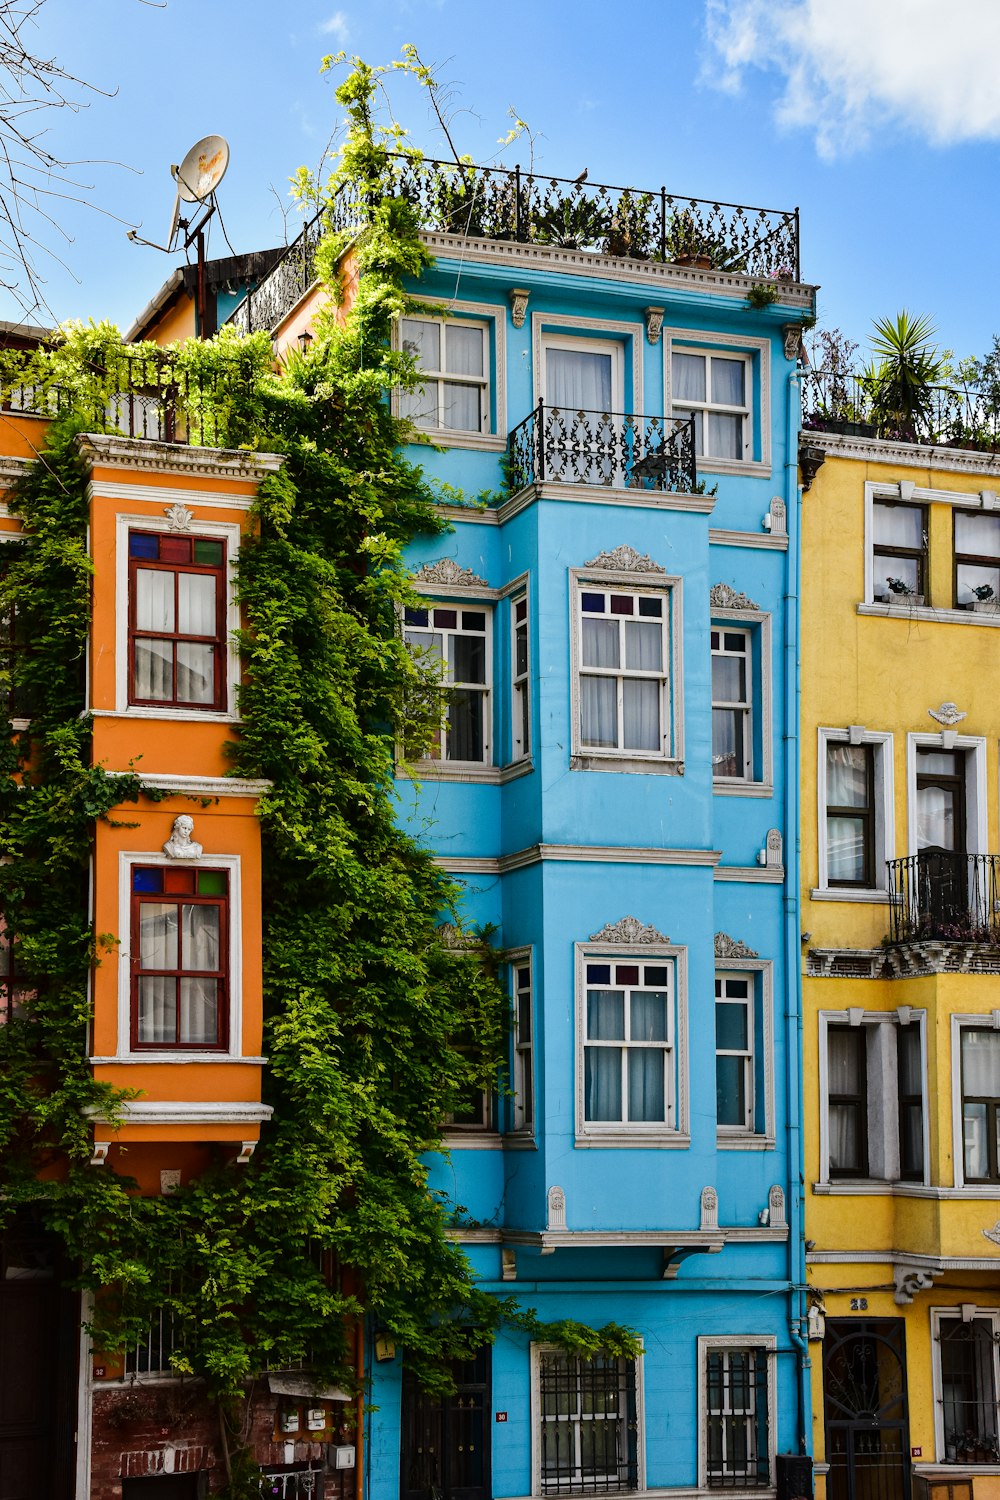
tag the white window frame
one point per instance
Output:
(522, 959)
(939, 1315)
(885, 822)
(976, 820)
(587, 346)
(686, 407)
(712, 1344)
(217, 530)
(492, 319)
(520, 683)
(443, 763)
(594, 335)
(124, 1049)
(756, 624)
(761, 974)
(589, 758)
(960, 1023)
(536, 1351)
(675, 1132)
(732, 346)
(882, 1091)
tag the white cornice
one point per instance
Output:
(761, 874)
(722, 538)
(795, 295)
(597, 494)
(112, 450)
(200, 786)
(161, 494)
(181, 1112)
(905, 455)
(585, 853)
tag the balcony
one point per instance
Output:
(141, 395)
(504, 203)
(613, 449)
(844, 402)
(945, 897)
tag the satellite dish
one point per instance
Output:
(201, 171)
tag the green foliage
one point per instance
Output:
(762, 294)
(901, 377)
(587, 1343)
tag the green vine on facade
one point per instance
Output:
(375, 1030)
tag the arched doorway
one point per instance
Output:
(867, 1424)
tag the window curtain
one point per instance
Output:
(603, 1065)
(845, 1061)
(200, 930)
(578, 380)
(728, 382)
(688, 377)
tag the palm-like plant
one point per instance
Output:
(901, 378)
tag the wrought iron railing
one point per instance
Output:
(943, 895)
(616, 449)
(142, 395)
(848, 402)
(505, 203)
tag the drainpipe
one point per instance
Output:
(794, 1102)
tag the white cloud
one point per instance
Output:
(851, 67)
(335, 26)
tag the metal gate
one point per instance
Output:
(867, 1423)
(446, 1440)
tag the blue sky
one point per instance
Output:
(879, 118)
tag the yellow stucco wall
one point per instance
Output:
(884, 670)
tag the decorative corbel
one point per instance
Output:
(100, 1153)
(792, 335)
(811, 459)
(518, 305)
(654, 323)
(247, 1149)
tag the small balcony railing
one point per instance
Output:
(618, 450)
(941, 895)
(141, 395)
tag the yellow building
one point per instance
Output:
(900, 719)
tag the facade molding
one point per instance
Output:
(110, 450)
(908, 455)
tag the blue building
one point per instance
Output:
(615, 785)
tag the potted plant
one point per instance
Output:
(986, 601)
(687, 244)
(901, 383)
(630, 231)
(900, 593)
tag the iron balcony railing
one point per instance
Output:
(505, 203)
(847, 402)
(615, 449)
(141, 395)
(943, 895)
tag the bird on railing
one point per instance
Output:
(579, 181)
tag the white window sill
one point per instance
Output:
(733, 466)
(584, 761)
(849, 893)
(737, 788)
(470, 1140)
(445, 437)
(927, 612)
(736, 1140)
(450, 770)
(178, 715)
(646, 1139)
(217, 1059)
(520, 1140)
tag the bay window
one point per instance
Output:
(624, 643)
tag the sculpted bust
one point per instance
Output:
(180, 844)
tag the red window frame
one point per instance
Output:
(172, 879)
(171, 559)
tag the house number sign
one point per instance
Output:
(501, 1416)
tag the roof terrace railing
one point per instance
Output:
(506, 203)
(847, 402)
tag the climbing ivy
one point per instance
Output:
(375, 1028)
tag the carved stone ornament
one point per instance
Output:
(727, 947)
(654, 323)
(993, 1234)
(776, 1206)
(948, 713)
(180, 844)
(518, 305)
(628, 930)
(709, 1208)
(778, 514)
(556, 1208)
(774, 844)
(446, 570)
(625, 559)
(724, 597)
(792, 336)
(179, 517)
(450, 936)
(908, 1281)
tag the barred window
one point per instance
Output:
(588, 1437)
(738, 1447)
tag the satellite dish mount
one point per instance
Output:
(197, 178)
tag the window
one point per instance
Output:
(874, 1096)
(177, 612)
(977, 556)
(457, 640)
(628, 1054)
(736, 1416)
(523, 1113)
(14, 988)
(715, 390)
(966, 1376)
(980, 1064)
(180, 946)
(850, 815)
(899, 549)
(453, 357)
(734, 1059)
(587, 1424)
(624, 645)
(732, 676)
(520, 679)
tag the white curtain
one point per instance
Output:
(599, 712)
(196, 603)
(464, 350)
(725, 435)
(199, 1011)
(728, 382)
(688, 377)
(899, 525)
(641, 714)
(200, 930)
(578, 380)
(603, 1065)
(643, 646)
(157, 1009)
(154, 599)
(157, 950)
(845, 1061)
